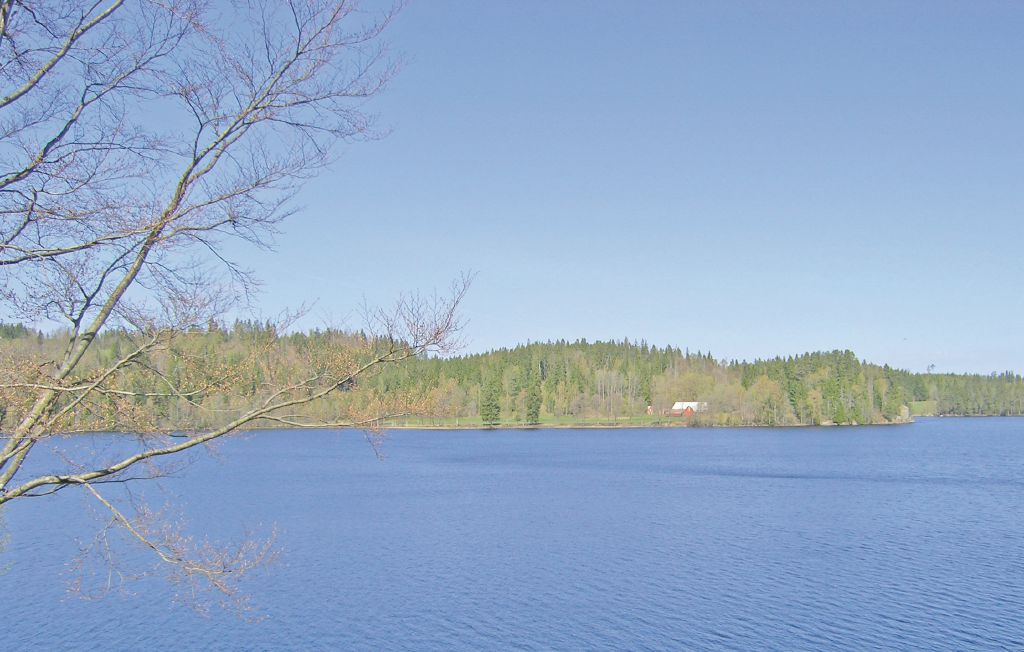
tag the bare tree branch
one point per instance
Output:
(135, 138)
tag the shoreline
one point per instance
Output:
(629, 426)
(588, 426)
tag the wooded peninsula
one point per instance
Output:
(220, 369)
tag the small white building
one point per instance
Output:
(686, 408)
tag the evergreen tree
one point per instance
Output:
(490, 402)
(533, 402)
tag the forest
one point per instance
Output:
(551, 383)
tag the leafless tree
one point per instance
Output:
(135, 136)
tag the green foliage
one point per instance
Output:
(923, 408)
(613, 382)
(13, 331)
(559, 383)
(533, 402)
(490, 405)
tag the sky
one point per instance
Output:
(750, 178)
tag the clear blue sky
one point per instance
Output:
(753, 178)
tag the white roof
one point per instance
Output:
(696, 405)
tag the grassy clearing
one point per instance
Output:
(924, 408)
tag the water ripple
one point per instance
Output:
(872, 539)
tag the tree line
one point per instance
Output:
(562, 382)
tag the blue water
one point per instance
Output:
(887, 538)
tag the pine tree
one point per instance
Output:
(490, 402)
(533, 402)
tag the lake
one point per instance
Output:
(892, 538)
